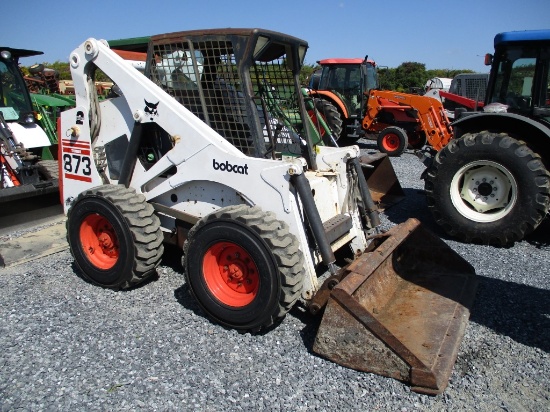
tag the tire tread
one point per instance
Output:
(283, 245)
(500, 141)
(142, 223)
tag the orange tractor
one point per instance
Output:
(398, 119)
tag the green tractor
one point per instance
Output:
(27, 155)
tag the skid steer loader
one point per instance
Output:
(222, 158)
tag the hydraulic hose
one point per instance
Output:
(314, 219)
(370, 207)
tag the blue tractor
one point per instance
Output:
(491, 183)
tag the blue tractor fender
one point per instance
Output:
(534, 133)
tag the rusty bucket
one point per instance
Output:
(382, 181)
(400, 309)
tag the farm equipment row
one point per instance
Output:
(487, 178)
(204, 152)
(213, 146)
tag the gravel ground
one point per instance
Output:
(67, 345)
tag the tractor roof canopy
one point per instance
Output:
(521, 36)
(16, 54)
(325, 62)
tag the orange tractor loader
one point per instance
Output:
(400, 120)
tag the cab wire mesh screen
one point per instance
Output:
(203, 77)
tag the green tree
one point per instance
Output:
(62, 68)
(387, 78)
(306, 72)
(409, 75)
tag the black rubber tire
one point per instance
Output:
(331, 116)
(136, 233)
(393, 141)
(525, 179)
(273, 249)
(416, 140)
(36, 69)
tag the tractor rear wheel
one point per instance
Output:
(114, 236)
(330, 115)
(393, 141)
(488, 188)
(244, 267)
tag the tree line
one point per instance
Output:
(407, 77)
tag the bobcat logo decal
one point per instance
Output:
(151, 109)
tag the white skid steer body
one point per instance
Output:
(215, 150)
(211, 172)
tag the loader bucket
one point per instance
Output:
(381, 179)
(400, 310)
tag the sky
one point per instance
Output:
(441, 34)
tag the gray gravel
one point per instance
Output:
(67, 345)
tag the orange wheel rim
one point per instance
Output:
(390, 142)
(99, 241)
(231, 274)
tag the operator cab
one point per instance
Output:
(522, 76)
(15, 103)
(243, 83)
(349, 79)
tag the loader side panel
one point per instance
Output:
(77, 164)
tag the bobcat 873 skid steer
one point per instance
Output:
(214, 150)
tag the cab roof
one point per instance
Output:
(17, 53)
(521, 36)
(325, 62)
